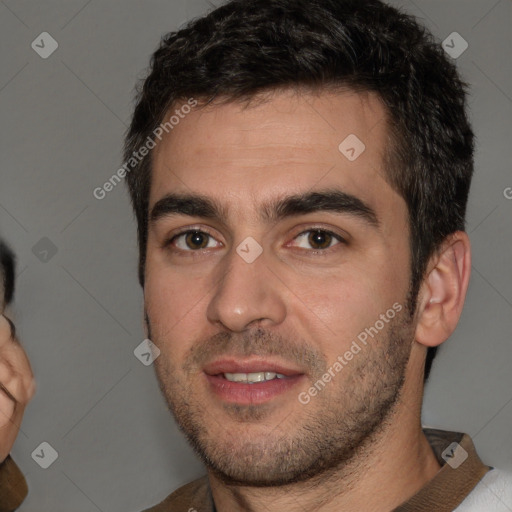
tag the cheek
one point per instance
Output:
(343, 308)
(336, 310)
(173, 301)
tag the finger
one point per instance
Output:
(16, 386)
(6, 373)
(7, 407)
(18, 361)
(7, 330)
(11, 416)
(12, 353)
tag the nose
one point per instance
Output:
(247, 293)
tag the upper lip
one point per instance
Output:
(249, 365)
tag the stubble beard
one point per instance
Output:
(319, 439)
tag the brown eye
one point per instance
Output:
(196, 240)
(192, 240)
(317, 239)
(320, 239)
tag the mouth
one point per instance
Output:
(250, 381)
(252, 378)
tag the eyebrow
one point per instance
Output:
(330, 200)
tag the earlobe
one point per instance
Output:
(443, 291)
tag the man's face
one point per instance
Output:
(325, 274)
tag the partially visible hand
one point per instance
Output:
(17, 386)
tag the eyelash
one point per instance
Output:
(192, 252)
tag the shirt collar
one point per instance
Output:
(461, 469)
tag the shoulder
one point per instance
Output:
(192, 496)
(13, 486)
(492, 493)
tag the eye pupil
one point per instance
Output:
(319, 239)
(196, 240)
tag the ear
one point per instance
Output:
(443, 291)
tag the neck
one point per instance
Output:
(388, 470)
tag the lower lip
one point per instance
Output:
(247, 394)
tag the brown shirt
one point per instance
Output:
(13, 487)
(443, 493)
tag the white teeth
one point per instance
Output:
(236, 377)
(251, 378)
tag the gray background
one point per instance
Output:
(79, 313)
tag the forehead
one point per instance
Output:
(290, 142)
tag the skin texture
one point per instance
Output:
(358, 444)
(17, 386)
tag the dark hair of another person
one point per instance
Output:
(7, 265)
(244, 48)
